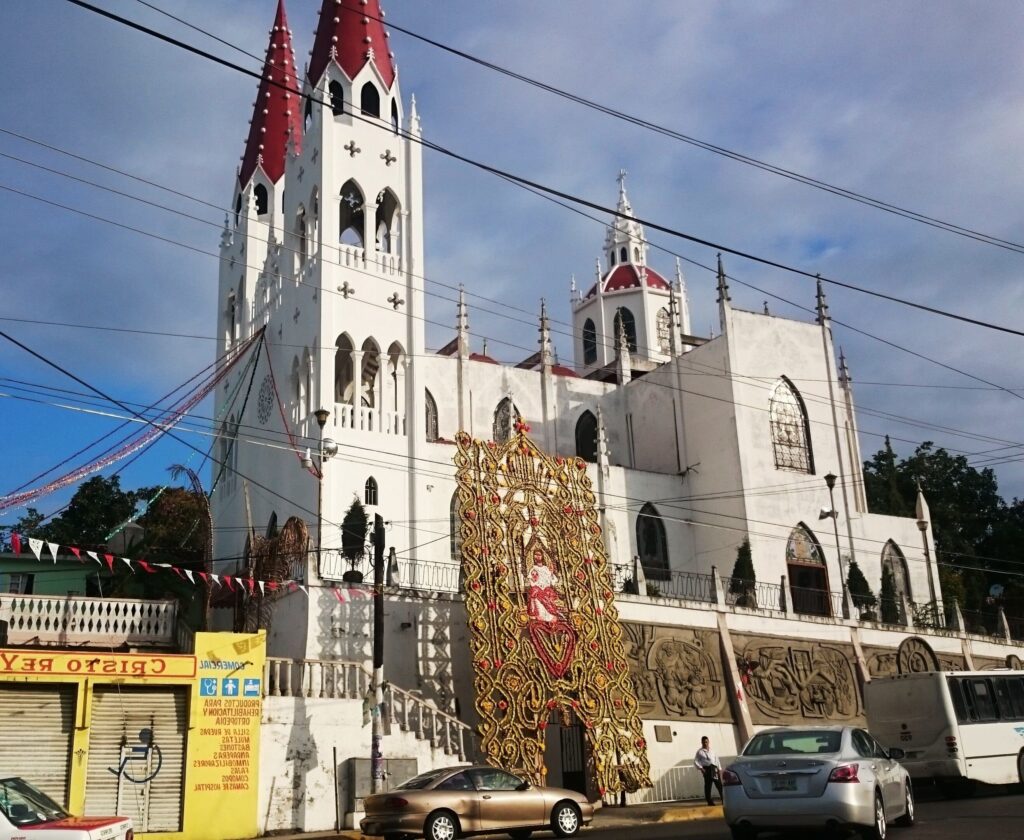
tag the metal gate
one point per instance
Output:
(574, 775)
(36, 726)
(137, 755)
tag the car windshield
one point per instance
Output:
(23, 805)
(794, 742)
(423, 780)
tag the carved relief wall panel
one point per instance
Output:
(913, 656)
(677, 673)
(789, 681)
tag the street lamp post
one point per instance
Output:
(830, 480)
(326, 449)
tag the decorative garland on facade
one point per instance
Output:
(544, 631)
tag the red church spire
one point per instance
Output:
(351, 32)
(278, 109)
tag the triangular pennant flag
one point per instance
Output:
(260, 584)
(251, 584)
(16, 543)
(95, 557)
(272, 585)
(205, 577)
(146, 567)
(304, 590)
(216, 578)
(54, 548)
(128, 563)
(231, 583)
(36, 546)
(110, 561)
(177, 571)
(188, 574)
(77, 552)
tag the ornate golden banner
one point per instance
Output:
(544, 631)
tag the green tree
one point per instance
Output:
(889, 608)
(98, 506)
(743, 577)
(860, 589)
(353, 532)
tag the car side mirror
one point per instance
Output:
(524, 786)
(896, 754)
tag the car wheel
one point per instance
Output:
(907, 820)
(565, 819)
(441, 825)
(1020, 768)
(878, 828)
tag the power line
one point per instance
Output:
(493, 170)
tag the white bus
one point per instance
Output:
(957, 727)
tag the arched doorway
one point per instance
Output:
(808, 576)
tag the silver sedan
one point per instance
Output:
(816, 777)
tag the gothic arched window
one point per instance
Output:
(589, 342)
(394, 116)
(623, 254)
(307, 114)
(262, 199)
(351, 219)
(307, 373)
(896, 563)
(586, 437)
(369, 100)
(791, 434)
(238, 208)
(506, 415)
(371, 373)
(626, 323)
(302, 234)
(344, 373)
(808, 576)
(337, 94)
(651, 544)
(370, 492)
(431, 409)
(387, 222)
(664, 331)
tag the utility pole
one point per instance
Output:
(376, 752)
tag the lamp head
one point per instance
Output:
(330, 448)
(321, 415)
(830, 480)
(825, 513)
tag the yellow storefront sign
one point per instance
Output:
(109, 665)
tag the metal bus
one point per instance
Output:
(956, 727)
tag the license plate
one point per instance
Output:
(783, 784)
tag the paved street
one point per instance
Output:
(995, 815)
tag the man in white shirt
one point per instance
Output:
(707, 762)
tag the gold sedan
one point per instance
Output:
(459, 801)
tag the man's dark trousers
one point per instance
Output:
(711, 778)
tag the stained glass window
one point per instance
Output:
(803, 548)
(664, 340)
(791, 436)
(506, 415)
(431, 407)
(895, 562)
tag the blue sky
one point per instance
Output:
(918, 103)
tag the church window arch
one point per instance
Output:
(589, 342)
(262, 199)
(307, 374)
(626, 323)
(808, 575)
(611, 257)
(664, 331)
(369, 100)
(271, 531)
(238, 209)
(636, 255)
(370, 492)
(298, 387)
(396, 381)
(371, 374)
(344, 374)
(623, 254)
(336, 92)
(506, 415)
(790, 430)
(586, 437)
(394, 116)
(651, 543)
(302, 236)
(307, 115)
(894, 561)
(431, 411)
(351, 218)
(388, 213)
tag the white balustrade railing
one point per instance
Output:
(76, 620)
(352, 255)
(342, 680)
(366, 419)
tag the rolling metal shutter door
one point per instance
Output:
(36, 726)
(149, 787)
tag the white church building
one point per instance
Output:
(694, 444)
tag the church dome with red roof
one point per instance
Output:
(351, 33)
